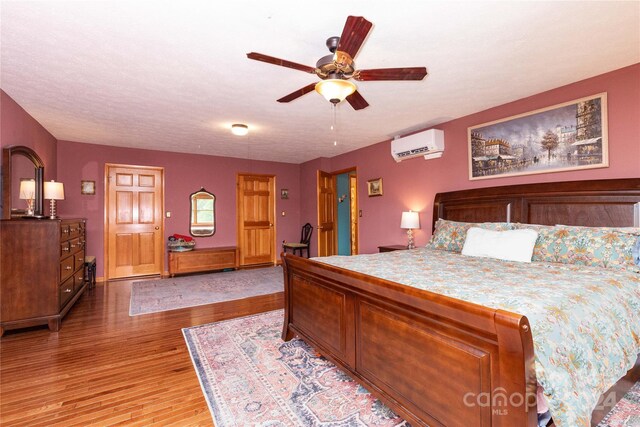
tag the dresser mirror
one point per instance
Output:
(203, 214)
(20, 163)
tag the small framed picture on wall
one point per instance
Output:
(284, 193)
(374, 187)
(88, 187)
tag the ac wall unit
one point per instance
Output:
(429, 144)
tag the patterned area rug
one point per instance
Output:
(250, 377)
(627, 412)
(190, 291)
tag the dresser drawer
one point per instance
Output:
(78, 280)
(66, 291)
(64, 232)
(66, 268)
(79, 261)
(74, 229)
(74, 245)
(64, 249)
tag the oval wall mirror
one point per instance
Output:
(202, 220)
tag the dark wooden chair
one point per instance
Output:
(305, 240)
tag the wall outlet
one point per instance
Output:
(168, 214)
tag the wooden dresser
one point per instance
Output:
(41, 272)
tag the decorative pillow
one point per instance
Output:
(635, 253)
(545, 248)
(450, 235)
(512, 245)
(592, 246)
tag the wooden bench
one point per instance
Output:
(205, 259)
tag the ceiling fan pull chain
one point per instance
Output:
(334, 126)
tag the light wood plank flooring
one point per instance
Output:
(106, 368)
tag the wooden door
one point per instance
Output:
(134, 221)
(327, 237)
(256, 219)
(353, 190)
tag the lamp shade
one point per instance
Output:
(335, 90)
(410, 220)
(27, 189)
(53, 190)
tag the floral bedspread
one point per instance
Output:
(585, 321)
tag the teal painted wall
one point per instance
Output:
(344, 216)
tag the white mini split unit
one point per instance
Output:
(429, 144)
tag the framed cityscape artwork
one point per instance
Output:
(563, 137)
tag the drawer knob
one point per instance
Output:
(67, 267)
(71, 230)
(80, 277)
(73, 246)
(65, 231)
(68, 291)
(66, 249)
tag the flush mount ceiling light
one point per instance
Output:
(239, 129)
(335, 90)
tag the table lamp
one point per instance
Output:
(28, 193)
(410, 221)
(53, 191)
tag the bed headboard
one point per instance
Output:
(601, 203)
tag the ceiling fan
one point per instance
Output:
(336, 69)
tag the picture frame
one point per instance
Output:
(88, 187)
(562, 137)
(374, 187)
(284, 193)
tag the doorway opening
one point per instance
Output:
(338, 212)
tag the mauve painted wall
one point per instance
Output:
(17, 127)
(413, 184)
(184, 174)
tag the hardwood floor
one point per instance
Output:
(106, 368)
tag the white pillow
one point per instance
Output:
(512, 245)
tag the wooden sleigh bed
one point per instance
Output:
(421, 352)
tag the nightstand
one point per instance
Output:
(391, 248)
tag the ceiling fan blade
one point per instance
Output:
(411, 73)
(357, 101)
(355, 31)
(298, 93)
(282, 62)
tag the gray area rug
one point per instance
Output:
(189, 291)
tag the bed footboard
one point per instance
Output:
(435, 360)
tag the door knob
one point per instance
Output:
(157, 227)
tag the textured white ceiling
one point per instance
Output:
(173, 75)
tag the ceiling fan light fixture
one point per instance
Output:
(239, 129)
(335, 90)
